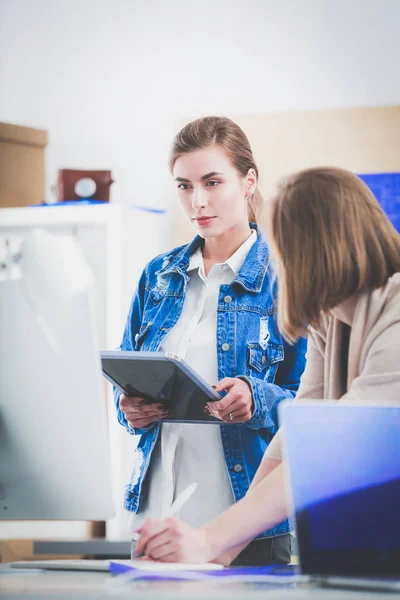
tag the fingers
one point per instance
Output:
(145, 410)
(224, 384)
(150, 530)
(162, 540)
(142, 420)
(237, 417)
(172, 556)
(135, 404)
(129, 401)
(237, 409)
(138, 413)
(142, 423)
(237, 405)
(237, 412)
(174, 540)
(222, 405)
(160, 546)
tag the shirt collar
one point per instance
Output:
(251, 275)
(196, 260)
(234, 262)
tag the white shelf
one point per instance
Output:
(59, 216)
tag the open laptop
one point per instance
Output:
(344, 470)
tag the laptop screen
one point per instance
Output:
(344, 464)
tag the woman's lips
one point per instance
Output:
(203, 221)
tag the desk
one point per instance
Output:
(82, 586)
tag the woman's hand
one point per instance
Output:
(228, 557)
(140, 414)
(172, 540)
(237, 405)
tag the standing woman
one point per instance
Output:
(213, 302)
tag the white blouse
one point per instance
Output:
(188, 452)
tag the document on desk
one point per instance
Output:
(152, 566)
(149, 570)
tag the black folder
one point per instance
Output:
(164, 378)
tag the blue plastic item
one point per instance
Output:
(83, 202)
(386, 189)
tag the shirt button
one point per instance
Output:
(237, 468)
(228, 299)
(225, 347)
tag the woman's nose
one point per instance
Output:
(199, 199)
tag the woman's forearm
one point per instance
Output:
(266, 467)
(264, 506)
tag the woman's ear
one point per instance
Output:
(251, 182)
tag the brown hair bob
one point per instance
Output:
(332, 240)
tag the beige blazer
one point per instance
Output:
(373, 369)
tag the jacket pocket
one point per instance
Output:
(140, 336)
(260, 359)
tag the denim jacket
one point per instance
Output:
(249, 346)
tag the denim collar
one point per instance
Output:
(251, 274)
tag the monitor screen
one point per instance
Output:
(54, 452)
(344, 466)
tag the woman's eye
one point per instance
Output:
(183, 186)
(212, 183)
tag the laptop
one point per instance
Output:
(344, 471)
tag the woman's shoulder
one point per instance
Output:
(386, 299)
(375, 312)
(161, 261)
(383, 326)
(379, 314)
(393, 285)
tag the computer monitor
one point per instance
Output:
(344, 463)
(54, 450)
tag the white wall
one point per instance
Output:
(110, 79)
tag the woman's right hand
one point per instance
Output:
(140, 414)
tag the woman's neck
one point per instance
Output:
(345, 311)
(219, 249)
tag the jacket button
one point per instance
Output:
(136, 337)
(227, 299)
(225, 347)
(263, 360)
(237, 468)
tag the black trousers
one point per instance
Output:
(269, 551)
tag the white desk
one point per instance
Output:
(81, 586)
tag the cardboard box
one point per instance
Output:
(22, 157)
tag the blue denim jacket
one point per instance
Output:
(249, 345)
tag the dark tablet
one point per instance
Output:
(164, 378)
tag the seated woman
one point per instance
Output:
(338, 265)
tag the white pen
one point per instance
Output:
(173, 510)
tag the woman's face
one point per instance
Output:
(212, 193)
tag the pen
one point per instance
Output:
(171, 512)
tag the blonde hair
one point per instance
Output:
(223, 132)
(332, 240)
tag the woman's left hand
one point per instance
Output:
(172, 540)
(237, 405)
